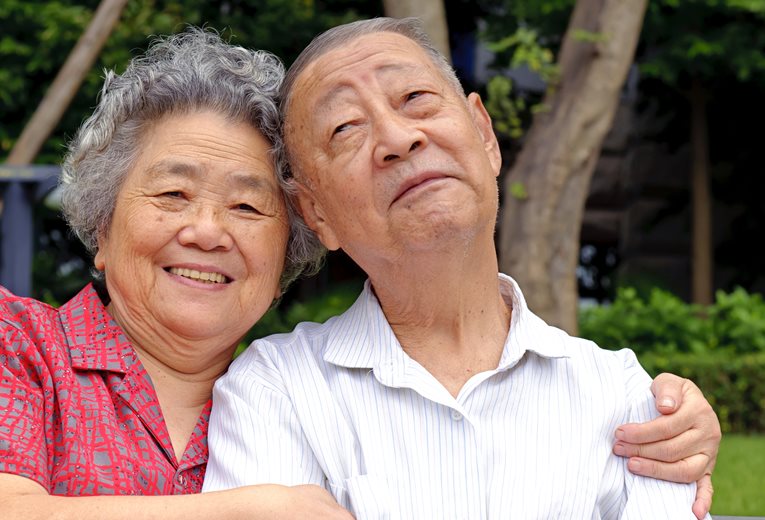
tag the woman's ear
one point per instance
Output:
(99, 260)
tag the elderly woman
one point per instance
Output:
(171, 184)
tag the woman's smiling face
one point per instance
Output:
(198, 236)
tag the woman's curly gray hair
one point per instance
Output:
(181, 73)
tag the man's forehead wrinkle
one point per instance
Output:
(348, 85)
(335, 72)
(328, 101)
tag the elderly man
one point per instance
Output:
(438, 394)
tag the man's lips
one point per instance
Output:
(416, 181)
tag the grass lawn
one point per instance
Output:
(739, 477)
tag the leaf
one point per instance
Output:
(582, 35)
(518, 191)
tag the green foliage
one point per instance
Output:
(734, 384)
(518, 191)
(508, 110)
(548, 17)
(738, 321)
(720, 347)
(525, 50)
(581, 35)
(37, 36)
(705, 39)
(663, 323)
(504, 108)
(284, 318)
(36, 39)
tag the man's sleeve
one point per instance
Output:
(255, 436)
(648, 498)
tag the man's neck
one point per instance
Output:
(448, 315)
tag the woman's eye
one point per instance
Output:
(247, 207)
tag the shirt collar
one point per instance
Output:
(528, 332)
(362, 338)
(95, 340)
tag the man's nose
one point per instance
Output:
(205, 227)
(396, 137)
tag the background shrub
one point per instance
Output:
(733, 384)
(720, 347)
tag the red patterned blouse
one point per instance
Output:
(78, 412)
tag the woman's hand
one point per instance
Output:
(23, 498)
(681, 445)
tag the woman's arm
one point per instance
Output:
(663, 498)
(24, 498)
(681, 445)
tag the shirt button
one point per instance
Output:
(181, 480)
(456, 415)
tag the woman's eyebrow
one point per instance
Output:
(169, 168)
(174, 168)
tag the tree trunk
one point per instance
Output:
(539, 231)
(67, 81)
(432, 14)
(702, 201)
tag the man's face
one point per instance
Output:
(391, 158)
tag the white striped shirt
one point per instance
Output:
(341, 405)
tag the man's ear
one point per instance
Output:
(482, 121)
(313, 215)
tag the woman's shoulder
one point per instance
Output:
(26, 322)
(20, 312)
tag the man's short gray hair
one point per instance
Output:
(194, 70)
(331, 39)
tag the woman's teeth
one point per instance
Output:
(198, 275)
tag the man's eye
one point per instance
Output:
(414, 95)
(173, 194)
(341, 128)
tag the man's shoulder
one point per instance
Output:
(309, 342)
(305, 344)
(585, 350)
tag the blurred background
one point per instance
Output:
(631, 174)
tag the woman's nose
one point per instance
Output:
(205, 227)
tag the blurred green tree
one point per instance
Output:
(700, 49)
(697, 58)
(546, 187)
